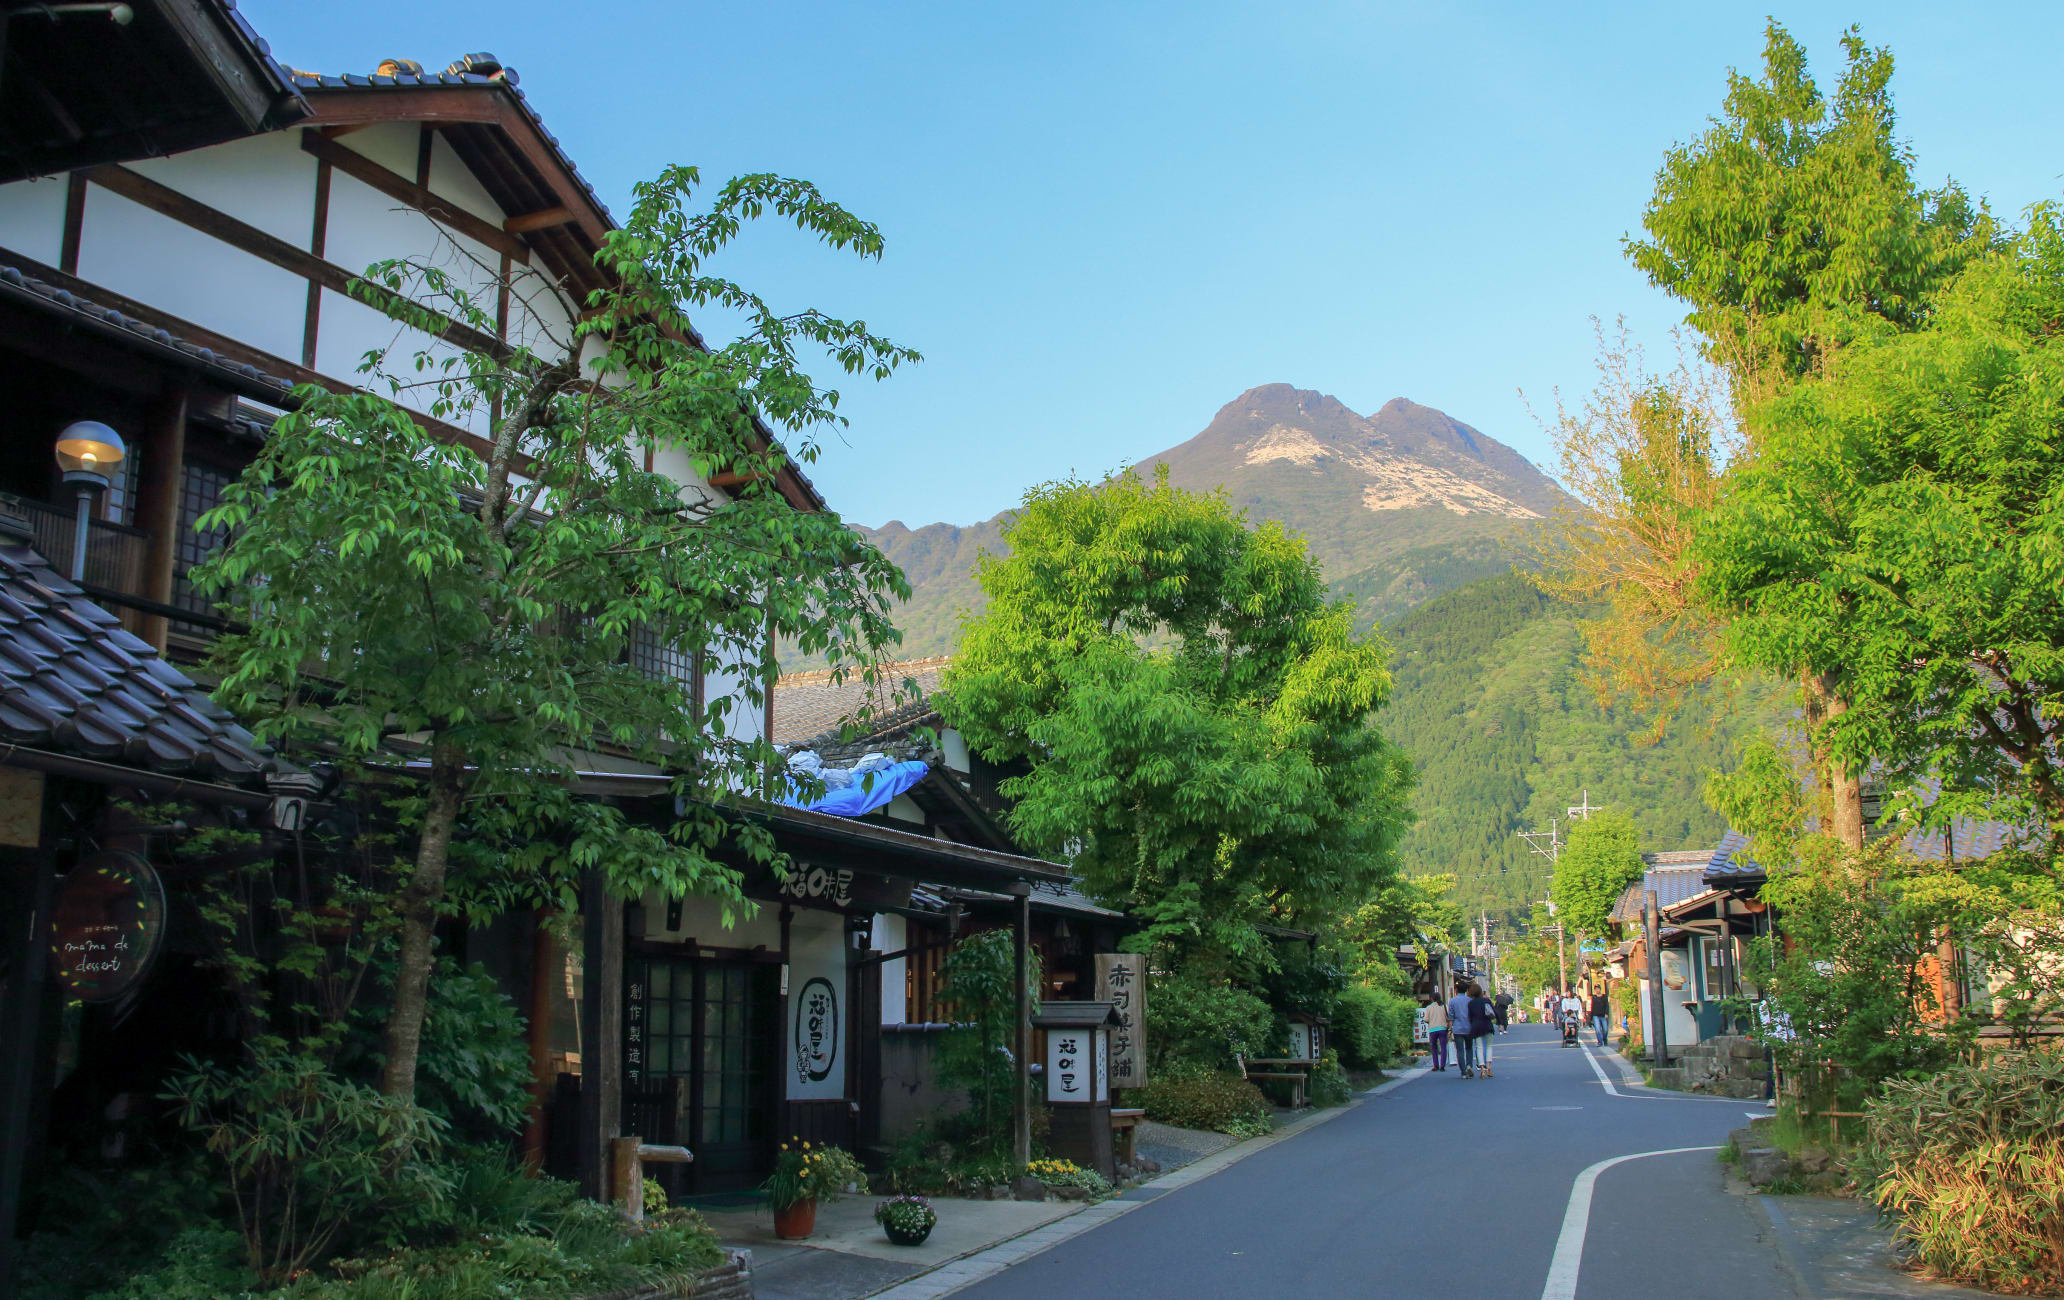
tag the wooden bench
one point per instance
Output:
(1124, 1124)
(1296, 1071)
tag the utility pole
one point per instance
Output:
(1552, 850)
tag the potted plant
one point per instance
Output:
(907, 1220)
(804, 1175)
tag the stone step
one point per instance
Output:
(1669, 1076)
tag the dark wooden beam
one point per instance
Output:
(74, 222)
(318, 240)
(732, 479)
(188, 211)
(400, 188)
(540, 220)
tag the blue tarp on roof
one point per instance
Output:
(867, 792)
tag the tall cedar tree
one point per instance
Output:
(1195, 716)
(465, 618)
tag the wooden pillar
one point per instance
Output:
(1651, 929)
(544, 966)
(1021, 1095)
(601, 1031)
(28, 870)
(164, 466)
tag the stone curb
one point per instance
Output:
(987, 1261)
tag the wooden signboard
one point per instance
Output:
(106, 926)
(1121, 980)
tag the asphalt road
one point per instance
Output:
(1447, 1187)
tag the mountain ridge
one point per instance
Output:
(1397, 507)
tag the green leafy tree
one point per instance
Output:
(980, 984)
(1793, 224)
(1902, 525)
(463, 618)
(1193, 713)
(1602, 858)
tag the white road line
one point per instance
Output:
(1611, 1091)
(1569, 1247)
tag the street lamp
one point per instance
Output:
(90, 454)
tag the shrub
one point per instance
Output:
(473, 1067)
(92, 1230)
(1329, 1082)
(1189, 1097)
(1206, 1022)
(980, 984)
(1066, 1173)
(1372, 1026)
(1970, 1160)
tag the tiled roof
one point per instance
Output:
(811, 708)
(74, 681)
(1673, 883)
(481, 69)
(17, 284)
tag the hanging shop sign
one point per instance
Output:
(1673, 968)
(107, 925)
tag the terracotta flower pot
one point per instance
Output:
(797, 1221)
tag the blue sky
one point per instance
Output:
(1106, 221)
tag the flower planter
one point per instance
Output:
(797, 1221)
(907, 1236)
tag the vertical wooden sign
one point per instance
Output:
(1121, 980)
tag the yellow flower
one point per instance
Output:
(784, 1146)
(806, 1146)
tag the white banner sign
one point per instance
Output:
(817, 1026)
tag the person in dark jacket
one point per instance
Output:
(1483, 1025)
(1502, 1004)
(1601, 1014)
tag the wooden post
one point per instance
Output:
(21, 1018)
(1021, 1098)
(1651, 929)
(544, 965)
(164, 471)
(627, 1178)
(601, 1032)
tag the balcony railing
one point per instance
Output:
(115, 553)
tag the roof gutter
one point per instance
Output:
(87, 769)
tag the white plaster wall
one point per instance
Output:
(158, 261)
(904, 809)
(955, 749)
(451, 179)
(703, 921)
(32, 218)
(267, 181)
(892, 934)
(724, 696)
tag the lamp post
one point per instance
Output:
(90, 454)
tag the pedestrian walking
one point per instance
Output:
(1502, 1004)
(1483, 1026)
(1601, 1014)
(1572, 1011)
(1436, 1014)
(1458, 1022)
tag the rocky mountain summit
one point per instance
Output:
(1399, 506)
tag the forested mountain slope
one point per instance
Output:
(1491, 705)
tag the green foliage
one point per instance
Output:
(1902, 531)
(907, 1214)
(1204, 1021)
(309, 1155)
(1066, 1173)
(1493, 705)
(89, 1231)
(1229, 776)
(1372, 1026)
(1602, 858)
(979, 981)
(1188, 1096)
(1329, 1086)
(1793, 225)
(200, 1263)
(477, 612)
(1970, 1160)
(803, 1172)
(476, 1070)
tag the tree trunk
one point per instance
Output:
(404, 1031)
(1824, 703)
